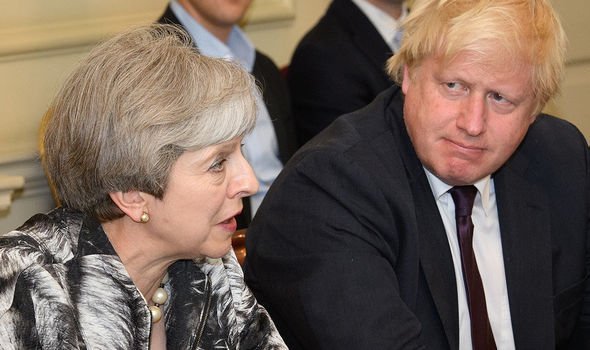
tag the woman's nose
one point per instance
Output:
(243, 182)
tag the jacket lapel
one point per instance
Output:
(436, 260)
(435, 255)
(526, 243)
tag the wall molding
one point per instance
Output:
(16, 42)
(65, 35)
(28, 167)
(8, 185)
(264, 11)
(34, 196)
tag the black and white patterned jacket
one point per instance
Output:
(62, 286)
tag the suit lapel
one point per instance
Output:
(436, 260)
(526, 243)
(435, 255)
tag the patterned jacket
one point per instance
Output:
(62, 286)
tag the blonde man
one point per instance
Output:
(447, 214)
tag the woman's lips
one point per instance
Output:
(230, 224)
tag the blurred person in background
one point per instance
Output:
(339, 65)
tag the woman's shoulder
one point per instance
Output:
(41, 240)
(51, 235)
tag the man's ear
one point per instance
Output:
(132, 203)
(406, 80)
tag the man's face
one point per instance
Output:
(466, 117)
(220, 13)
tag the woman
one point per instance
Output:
(142, 149)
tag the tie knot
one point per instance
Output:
(463, 196)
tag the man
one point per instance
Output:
(213, 25)
(370, 250)
(339, 66)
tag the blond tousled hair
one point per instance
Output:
(526, 30)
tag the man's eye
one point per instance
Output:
(453, 85)
(498, 98)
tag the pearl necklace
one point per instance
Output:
(159, 298)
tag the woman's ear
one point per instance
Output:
(132, 203)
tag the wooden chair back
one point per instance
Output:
(238, 241)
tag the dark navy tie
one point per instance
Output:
(481, 332)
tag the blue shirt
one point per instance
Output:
(261, 146)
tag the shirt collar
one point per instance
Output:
(484, 187)
(238, 46)
(386, 25)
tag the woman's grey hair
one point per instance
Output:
(131, 108)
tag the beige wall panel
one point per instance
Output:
(26, 89)
(33, 26)
(572, 104)
(36, 12)
(575, 16)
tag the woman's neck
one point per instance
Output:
(138, 253)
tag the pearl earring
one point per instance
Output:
(144, 217)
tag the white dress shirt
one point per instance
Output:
(487, 247)
(260, 146)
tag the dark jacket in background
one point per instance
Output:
(338, 67)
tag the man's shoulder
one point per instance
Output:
(550, 146)
(379, 120)
(551, 133)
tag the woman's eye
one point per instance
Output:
(218, 165)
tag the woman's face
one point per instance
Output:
(196, 216)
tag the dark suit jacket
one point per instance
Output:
(276, 99)
(359, 259)
(338, 67)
